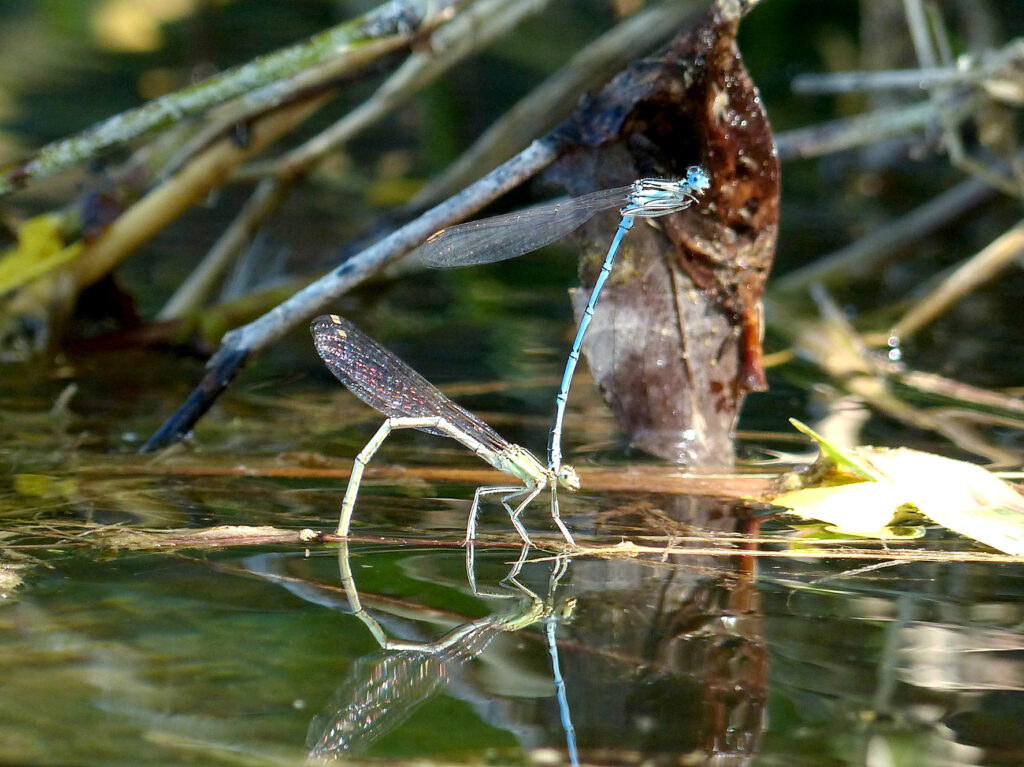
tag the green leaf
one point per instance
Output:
(832, 454)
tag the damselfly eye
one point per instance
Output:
(697, 179)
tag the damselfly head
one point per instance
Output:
(568, 478)
(653, 197)
(697, 179)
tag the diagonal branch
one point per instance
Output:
(263, 81)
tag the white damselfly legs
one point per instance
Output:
(389, 385)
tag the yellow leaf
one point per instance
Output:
(957, 495)
(895, 482)
(40, 249)
(864, 509)
(41, 485)
(135, 25)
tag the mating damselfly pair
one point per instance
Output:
(409, 401)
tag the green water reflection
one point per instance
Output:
(232, 658)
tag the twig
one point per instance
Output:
(150, 214)
(919, 33)
(893, 79)
(735, 546)
(654, 479)
(470, 31)
(959, 392)
(872, 251)
(931, 44)
(839, 135)
(556, 97)
(238, 344)
(273, 325)
(165, 203)
(228, 118)
(194, 290)
(465, 35)
(834, 345)
(904, 555)
(965, 278)
(386, 28)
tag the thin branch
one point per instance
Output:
(920, 34)
(239, 344)
(735, 546)
(198, 286)
(869, 253)
(931, 42)
(545, 106)
(833, 345)
(654, 479)
(386, 28)
(893, 79)
(978, 269)
(467, 33)
(169, 200)
(556, 97)
(271, 326)
(959, 392)
(870, 128)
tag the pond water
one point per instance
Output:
(252, 655)
(718, 639)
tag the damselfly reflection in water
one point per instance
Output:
(511, 235)
(381, 691)
(409, 401)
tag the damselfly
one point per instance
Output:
(409, 401)
(511, 235)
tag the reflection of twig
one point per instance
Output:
(857, 571)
